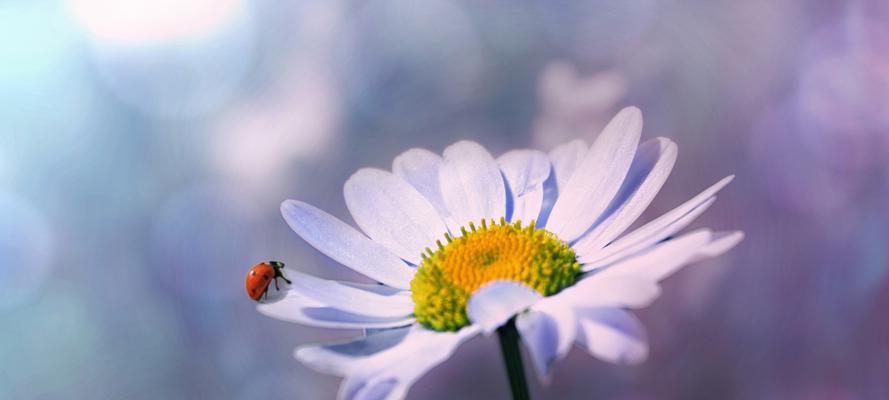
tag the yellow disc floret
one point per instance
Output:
(447, 277)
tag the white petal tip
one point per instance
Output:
(287, 204)
(631, 111)
(721, 242)
(299, 353)
(546, 377)
(408, 159)
(630, 117)
(292, 209)
(669, 147)
(463, 143)
(735, 237)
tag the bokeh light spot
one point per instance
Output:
(144, 22)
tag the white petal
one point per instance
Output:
(393, 213)
(647, 175)
(601, 290)
(525, 171)
(565, 159)
(549, 328)
(550, 195)
(343, 357)
(598, 177)
(302, 310)
(495, 303)
(543, 336)
(563, 316)
(350, 298)
(389, 374)
(346, 245)
(659, 229)
(661, 261)
(627, 249)
(471, 184)
(363, 389)
(612, 335)
(419, 168)
(719, 243)
(378, 288)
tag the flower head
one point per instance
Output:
(499, 251)
(462, 243)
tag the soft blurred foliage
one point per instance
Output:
(145, 147)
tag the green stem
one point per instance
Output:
(512, 356)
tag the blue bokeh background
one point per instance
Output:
(145, 147)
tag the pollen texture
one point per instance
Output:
(447, 277)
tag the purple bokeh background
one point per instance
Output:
(144, 153)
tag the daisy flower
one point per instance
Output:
(529, 245)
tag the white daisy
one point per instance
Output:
(464, 243)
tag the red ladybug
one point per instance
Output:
(261, 275)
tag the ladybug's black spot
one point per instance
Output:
(265, 276)
(253, 290)
(253, 273)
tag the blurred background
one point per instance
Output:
(145, 147)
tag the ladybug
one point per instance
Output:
(260, 276)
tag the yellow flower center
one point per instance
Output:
(447, 277)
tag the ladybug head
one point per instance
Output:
(275, 264)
